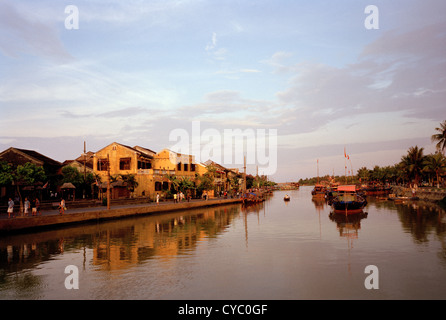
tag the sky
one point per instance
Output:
(311, 76)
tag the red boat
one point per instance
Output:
(348, 201)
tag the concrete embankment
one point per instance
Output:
(426, 194)
(80, 215)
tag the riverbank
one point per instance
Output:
(427, 194)
(52, 218)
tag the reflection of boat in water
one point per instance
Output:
(348, 201)
(348, 226)
(319, 191)
(286, 198)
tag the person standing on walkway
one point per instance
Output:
(37, 206)
(62, 206)
(27, 206)
(10, 208)
(34, 208)
(174, 197)
(157, 198)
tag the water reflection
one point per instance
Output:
(112, 245)
(348, 225)
(178, 255)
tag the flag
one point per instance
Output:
(345, 154)
(45, 185)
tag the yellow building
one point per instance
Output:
(117, 160)
(152, 171)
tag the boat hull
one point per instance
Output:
(348, 211)
(348, 207)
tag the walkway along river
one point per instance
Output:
(53, 218)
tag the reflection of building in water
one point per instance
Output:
(164, 236)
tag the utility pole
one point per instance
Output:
(85, 169)
(244, 174)
(108, 182)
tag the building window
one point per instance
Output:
(103, 165)
(186, 167)
(124, 163)
(179, 166)
(144, 164)
(158, 186)
(192, 167)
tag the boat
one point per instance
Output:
(396, 198)
(319, 191)
(331, 192)
(252, 197)
(374, 189)
(348, 201)
(286, 198)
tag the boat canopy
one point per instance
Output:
(348, 188)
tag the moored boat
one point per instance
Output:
(348, 201)
(252, 197)
(286, 198)
(319, 191)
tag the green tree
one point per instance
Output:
(440, 137)
(363, 174)
(174, 182)
(186, 184)
(436, 164)
(27, 174)
(131, 182)
(6, 174)
(412, 163)
(71, 174)
(206, 182)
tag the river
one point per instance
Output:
(275, 250)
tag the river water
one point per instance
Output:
(274, 250)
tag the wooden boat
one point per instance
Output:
(319, 191)
(286, 198)
(401, 198)
(252, 197)
(348, 201)
(375, 189)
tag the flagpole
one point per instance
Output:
(345, 165)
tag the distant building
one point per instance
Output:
(79, 165)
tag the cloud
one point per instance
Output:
(119, 113)
(22, 32)
(398, 72)
(210, 46)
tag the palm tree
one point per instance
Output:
(435, 163)
(130, 179)
(412, 163)
(440, 137)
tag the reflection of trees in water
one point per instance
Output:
(422, 219)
